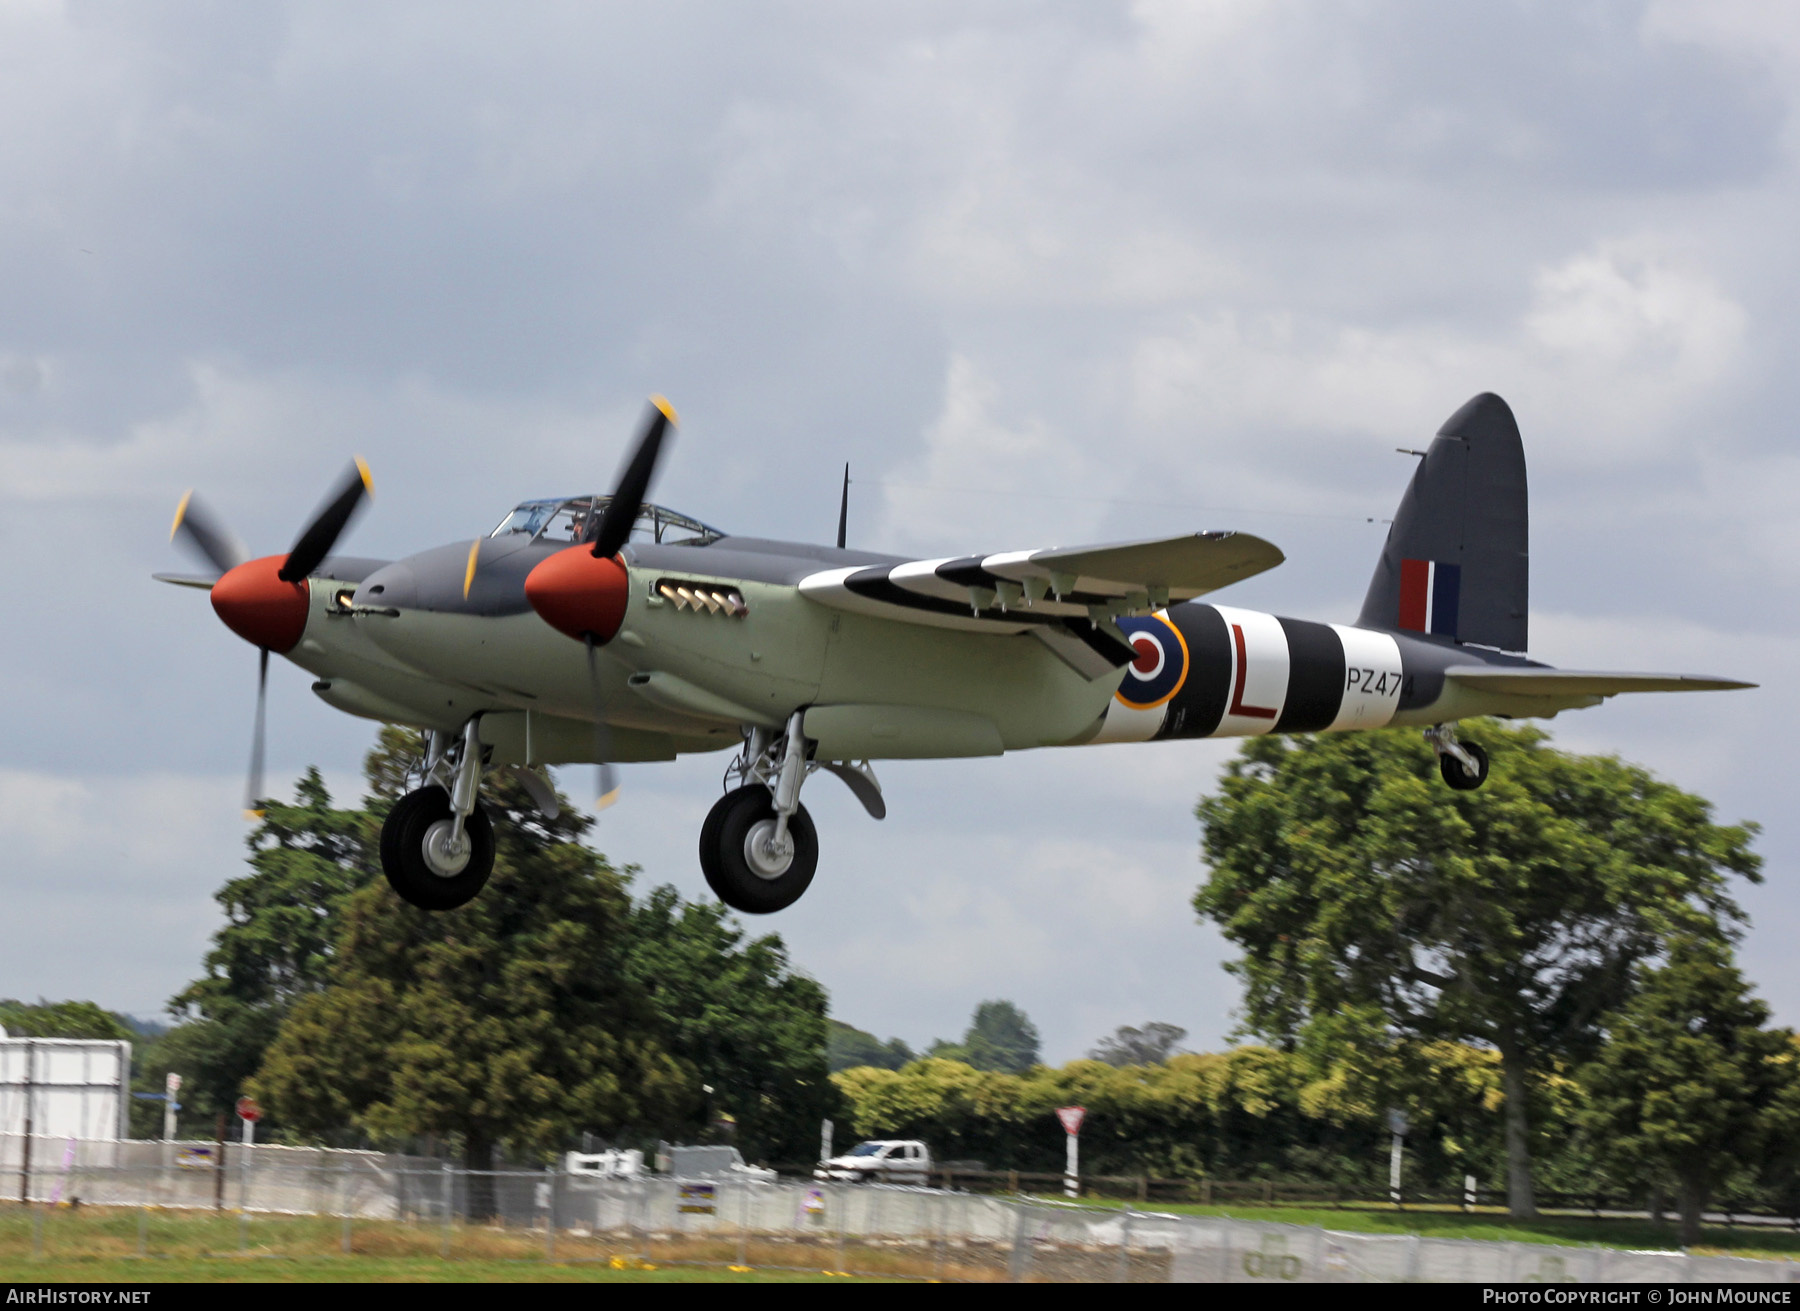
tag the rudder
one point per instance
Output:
(1456, 563)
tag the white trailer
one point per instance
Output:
(64, 1088)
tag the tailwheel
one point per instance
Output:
(425, 860)
(1458, 775)
(749, 861)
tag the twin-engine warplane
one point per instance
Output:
(609, 629)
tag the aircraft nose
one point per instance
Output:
(576, 594)
(392, 585)
(260, 608)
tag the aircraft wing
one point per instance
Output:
(1067, 596)
(1581, 682)
(1016, 589)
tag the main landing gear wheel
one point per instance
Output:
(422, 863)
(1457, 774)
(744, 864)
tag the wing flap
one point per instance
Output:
(1582, 682)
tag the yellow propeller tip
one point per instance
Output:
(255, 814)
(180, 513)
(368, 479)
(668, 410)
(607, 800)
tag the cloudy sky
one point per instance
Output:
(1040, 273)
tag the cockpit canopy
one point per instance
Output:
(577, 519)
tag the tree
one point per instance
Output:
(738, 1013)
(276, 945)
(1150, 1045)
(847, 1048)
(1691, 1085)
(63, 1019)
(1367, 898)
(512, 1021)
(1001, 1037)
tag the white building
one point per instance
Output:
(65, 1088)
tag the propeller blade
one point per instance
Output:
(253, 786)
(206, 533)
(606, 778)
(634, 483)
(844, 507)
(319, 536)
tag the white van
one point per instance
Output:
(880, 1160)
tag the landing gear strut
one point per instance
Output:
(758, 847)
(1463, 764)
(437, 845)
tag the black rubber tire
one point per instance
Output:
(709, 841)
(1457, 776)
(403, 852)
(727, 869)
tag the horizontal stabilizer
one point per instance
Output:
(1581, 682)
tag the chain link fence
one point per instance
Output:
(154, 1199)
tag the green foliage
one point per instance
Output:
(1235, 1115)
(1150, 1045)
(276, 946)
(1001, 1037)
(63, 1019)
(1377, 910)
(736, 1012)
(510, 1020)
(847, 1047)
(1692, 1083)
(549, 1007)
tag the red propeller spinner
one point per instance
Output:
(266, 601)
(259, 606)
(582, 591)
(576, 594)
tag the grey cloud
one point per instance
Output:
(1212, 263)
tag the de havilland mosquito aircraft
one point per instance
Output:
(610, 629)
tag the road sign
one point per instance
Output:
(1071, 1118)
(247, 1109)
(172, 1084)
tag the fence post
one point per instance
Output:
(348, 1203)
(743, 1257)
(549, 1210)
(143, 1231)
(843, 1218)
(25, 1142)
(219, 1166)
(449, 1211)
(941, 1205)
(1018, 1265)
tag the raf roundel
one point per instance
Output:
(1161, 665)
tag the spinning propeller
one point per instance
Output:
(265, 601)
(583, 591)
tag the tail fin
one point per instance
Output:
(1457, 560)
